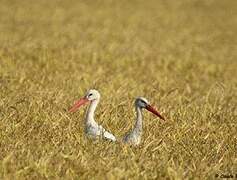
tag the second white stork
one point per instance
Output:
(134, 136)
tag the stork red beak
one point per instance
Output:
(78, 104)
(151, 109)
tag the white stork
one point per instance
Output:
(92, 129)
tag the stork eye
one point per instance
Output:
(90, 94)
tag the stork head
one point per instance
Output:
(90, 95)
(142, 102)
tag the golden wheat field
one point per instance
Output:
(180, 55)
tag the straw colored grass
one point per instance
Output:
(181, 55)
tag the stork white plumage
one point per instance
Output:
(92, 129)
(134, 136)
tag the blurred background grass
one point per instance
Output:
(181, 55)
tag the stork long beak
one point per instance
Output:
(78, 104)
(154, 111)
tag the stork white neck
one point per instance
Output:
(91, 111)
(138, 124)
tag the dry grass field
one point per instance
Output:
(181, 55)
